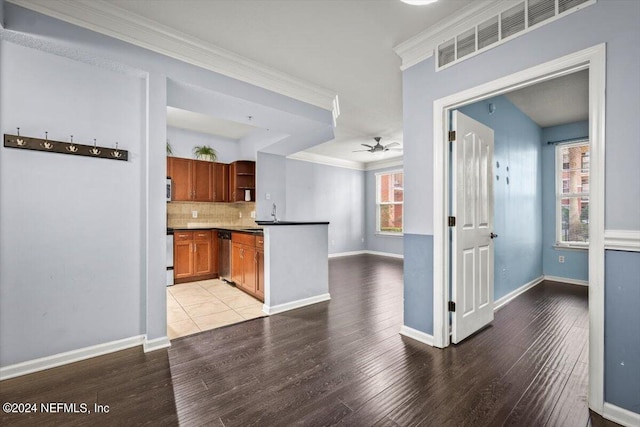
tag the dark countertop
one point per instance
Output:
(263, 223)
(237, 228)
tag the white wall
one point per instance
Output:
(70, 247)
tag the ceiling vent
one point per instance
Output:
(510, 23)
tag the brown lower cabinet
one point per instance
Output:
(247, 263)
(195, 255)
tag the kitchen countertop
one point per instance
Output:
(237, 228)
(263, 223)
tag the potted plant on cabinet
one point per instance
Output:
(205, 152)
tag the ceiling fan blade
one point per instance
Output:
(358, 151)
(395, 149)
(367, 145)
(393, 144)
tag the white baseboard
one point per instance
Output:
(416, 335)
(156, 344)
(60, 359)
(387, 254)
(620, 415)
(567, 280)
(275, 309)
(341, 254)
(501, 302)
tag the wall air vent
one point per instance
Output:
(564, 5)
(511, 21)
(541, 10)
(488, 32)
(447, 52)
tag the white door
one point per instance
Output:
(472, 235)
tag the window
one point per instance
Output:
(389, 202)
(572, 194)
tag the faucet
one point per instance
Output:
(273, 213)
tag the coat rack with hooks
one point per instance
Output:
(46, 144)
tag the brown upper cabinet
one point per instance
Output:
(202, 181)
(220, 182)
(242, 177)
(198, 180)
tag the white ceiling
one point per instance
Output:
(345, 45)
(203, 123)
(555, 102)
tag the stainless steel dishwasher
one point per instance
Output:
(224, 255)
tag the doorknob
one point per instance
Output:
(493, 235)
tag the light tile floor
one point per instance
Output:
(208, 304)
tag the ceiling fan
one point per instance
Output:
(379, 148)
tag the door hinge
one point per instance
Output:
(452, 135)
(452, 306)
(452, 221)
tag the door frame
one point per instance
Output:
(593, 59)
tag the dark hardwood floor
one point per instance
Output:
(341, 362)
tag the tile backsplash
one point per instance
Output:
(180, 214)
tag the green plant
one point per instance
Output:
(169, 149)
(205, 152)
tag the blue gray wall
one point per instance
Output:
(70, 253)
(622, 329)
(576, 261)
(422, 85)
(271, 182)
(182, 142)
(317, 192)
(517, 196)
(62, 209)
(378, 242)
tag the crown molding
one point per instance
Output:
(381, 164)
(105, 18)
(422, 46)
(306, 156)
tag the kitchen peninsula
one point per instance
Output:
(296, 264)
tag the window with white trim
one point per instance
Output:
(389, 202)
(572, 194)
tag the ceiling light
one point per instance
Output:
(418, 2)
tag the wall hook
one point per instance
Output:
(46, 144)
(71, 147)
(116, 153)
(64, 147)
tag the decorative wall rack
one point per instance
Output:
(38, 144)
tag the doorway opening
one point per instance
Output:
(593, 60)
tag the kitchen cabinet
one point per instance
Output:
(260, 267)
(242, 177)
(192, 180)
(194, 256)
(220, 182)
(182, 255)
(247, 270)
